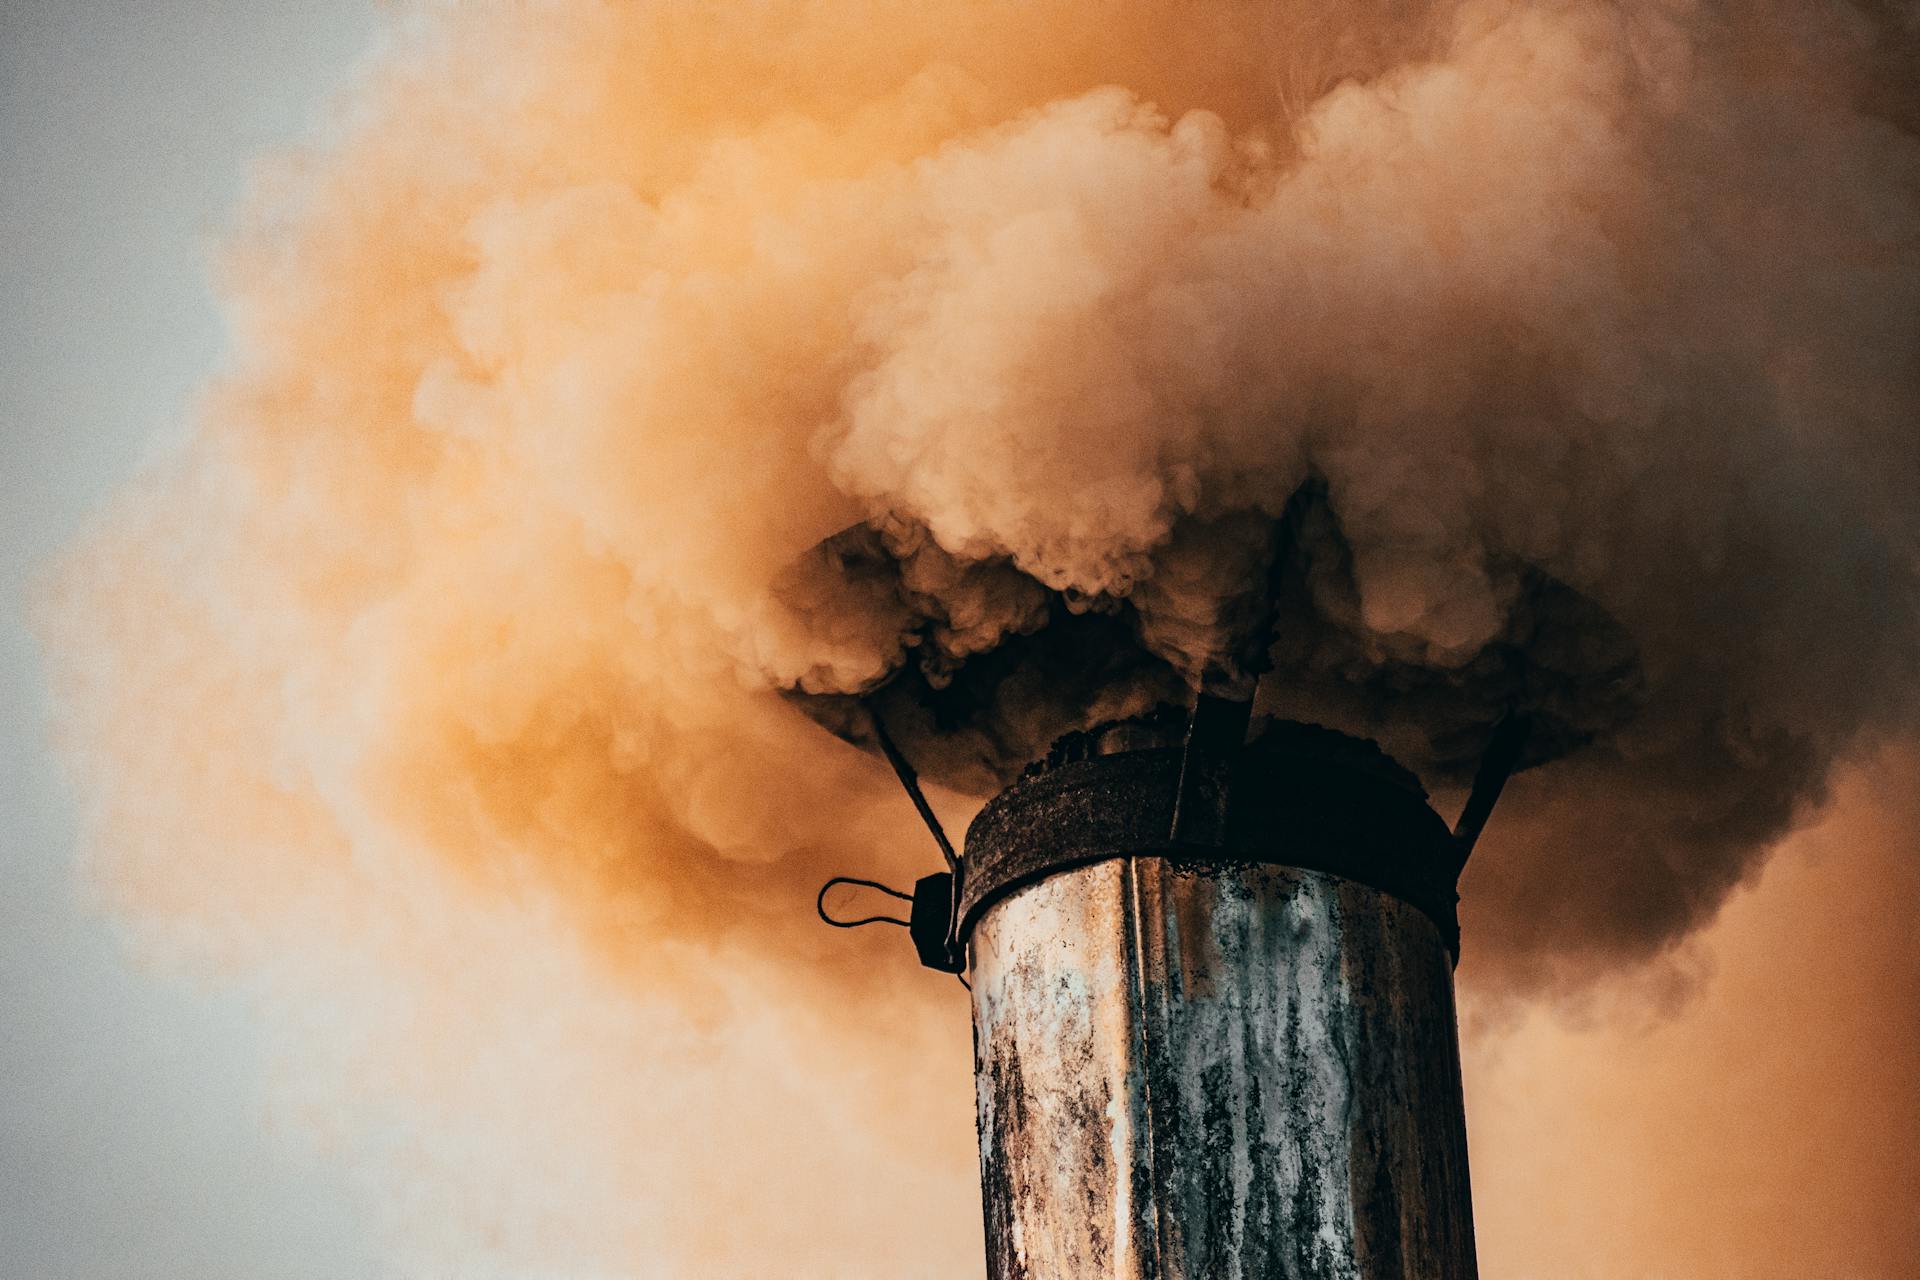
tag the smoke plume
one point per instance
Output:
(477, 617)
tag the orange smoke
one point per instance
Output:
(435, 682)
(1757, 1119)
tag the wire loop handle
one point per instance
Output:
(820, 903)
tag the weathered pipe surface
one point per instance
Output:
(1218, 1067)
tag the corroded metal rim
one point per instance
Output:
(1286, 809)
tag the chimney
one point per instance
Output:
(1217, 1049)
(1210, 962)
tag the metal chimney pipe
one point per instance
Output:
(1235, 1058)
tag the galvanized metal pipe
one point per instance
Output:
(1224, 1061)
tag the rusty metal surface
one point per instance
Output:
(1232, 1070)
(1301, 795)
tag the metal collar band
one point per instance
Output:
(1299, 796)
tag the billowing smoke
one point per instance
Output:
(488, 574)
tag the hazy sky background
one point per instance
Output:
(133, 1138)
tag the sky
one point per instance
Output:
(134, 1137)
(1745, 1106)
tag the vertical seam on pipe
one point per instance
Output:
(1139, 976)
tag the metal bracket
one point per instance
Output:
(935, 917)
(1496, 766)
(1214, 738)
(1224, 707)
(931, 923)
